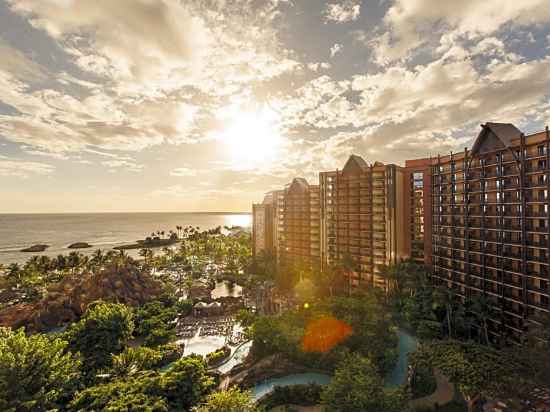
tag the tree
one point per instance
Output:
(137, 394)
(231, 400)
(186, 383)
(182, 386)
(349, 266)
(446, 298)
(330, 278)
(482, 310)
(36, 372)
(103, 330)
(357, 387)
(146, 254)
(134, 360)
(476, 370)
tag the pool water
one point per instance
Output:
(236, 358)
(263, 388)
(225, 288)
(395, 378)
(398, 375)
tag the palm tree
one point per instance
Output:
(61, 262)
(74, 261)
(98, 258)
(329, 277)
(446, 298)
(348, 265)
(482, 309)
(538, 331)
(146, 253)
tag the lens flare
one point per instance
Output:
(325, 333)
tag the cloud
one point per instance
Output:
(15, 62)
(128, 165)
(23, 169)
(183, 171)
(347, 10)
(409, 24)
(123, 38)
(161, 70)
(335, 49)
(315, 67)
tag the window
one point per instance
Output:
(541, 150)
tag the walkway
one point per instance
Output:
(443, 394)
(316, 408)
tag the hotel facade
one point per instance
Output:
(478, 220)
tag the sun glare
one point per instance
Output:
(252, 138)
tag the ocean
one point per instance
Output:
(101, 230)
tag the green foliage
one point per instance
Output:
(186, 383)
(357, 387)
(423, 383)
(231, 400)
(155, 322)
(214, 358)
(373, 334)
(303, 395)
(474, 369)
(103, 330)
(183, 386)
(133, 360)
(139, 394)
(246, 317)
(36, 372)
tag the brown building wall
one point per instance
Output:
(491, 229)
(419, 251)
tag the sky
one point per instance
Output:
(205, 105)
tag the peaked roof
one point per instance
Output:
(505, 133)
(355, 164)
(298, 184)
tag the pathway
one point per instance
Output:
(316, 408)
(443, 394)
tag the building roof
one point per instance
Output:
(355, 164)
(299, 184)
(495, 135)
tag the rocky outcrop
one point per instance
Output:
(80, 245)
(67, 300)
(35, 248)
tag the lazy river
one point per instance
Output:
(395, 378)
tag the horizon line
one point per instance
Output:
(128, 212)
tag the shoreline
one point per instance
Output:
(119, 213)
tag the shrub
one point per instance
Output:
(303, 395)
(36, 372)
(423, 383)
(216, 357)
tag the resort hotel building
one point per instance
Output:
(478, 220)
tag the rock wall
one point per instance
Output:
(67, 300)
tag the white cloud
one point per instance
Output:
(128, 165)
(335, 49)
(124, 38)
(23, 169)
(315, 67)
(409, 24)
(347, 10)
(15, 62)
(183, 172)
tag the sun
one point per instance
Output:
(252, 137)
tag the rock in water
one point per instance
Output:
(36, 248)
(80, 245)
